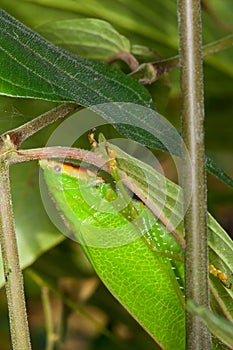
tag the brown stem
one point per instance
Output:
(195, 221)
(13, 275)
(126, 57)
(27, 155)
(18, 135)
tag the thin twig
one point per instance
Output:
(50, 336)
(63, 153)
(163, 66)
(63, 327)
(217, 46)
(126, 57)
(195, 221)
(13, 275)
(20, 134)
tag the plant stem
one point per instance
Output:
(64, 153)
(13, 275)
(165, 65)
(50, 336)
(195, 221)
(218, 45)
(20, 134)
(126, 57)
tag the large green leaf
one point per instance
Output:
(32, 67)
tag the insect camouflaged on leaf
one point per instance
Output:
(137, 269)
(220, 275)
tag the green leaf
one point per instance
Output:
(215, 170)
(219, 326)
(90, 38)
(32, 67)
(220, 255)
(141, 20)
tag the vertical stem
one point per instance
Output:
(14, 281)
(50, 336)
(196, 262)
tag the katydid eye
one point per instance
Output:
(57, 168)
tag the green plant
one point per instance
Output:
(40, 70)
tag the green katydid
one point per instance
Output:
(134, 254)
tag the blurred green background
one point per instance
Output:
(154, 25)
